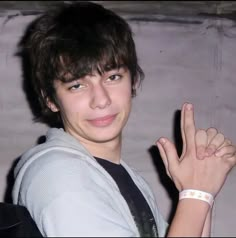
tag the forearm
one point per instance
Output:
(189, 219)
(207, 226)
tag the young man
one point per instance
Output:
(84, 72)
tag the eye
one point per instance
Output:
(114, 77)
(76, 86)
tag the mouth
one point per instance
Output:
(103, 121)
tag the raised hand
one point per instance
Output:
(190, 172)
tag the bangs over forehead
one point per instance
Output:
(77, 62)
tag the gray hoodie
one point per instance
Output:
(69, 194)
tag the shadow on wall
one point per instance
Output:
(10, 176)
(166, 182)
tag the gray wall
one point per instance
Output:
(182, 62)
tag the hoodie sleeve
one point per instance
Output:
(68, 197)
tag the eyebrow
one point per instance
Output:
(68, 78)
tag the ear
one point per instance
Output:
(137, 83)
(50, 104)
(135, 86)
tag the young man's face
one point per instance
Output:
(95, 108)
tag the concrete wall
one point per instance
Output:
(182, 62)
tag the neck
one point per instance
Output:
(110, 151)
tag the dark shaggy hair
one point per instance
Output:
(75, 39)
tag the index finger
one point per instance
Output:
(189, 128)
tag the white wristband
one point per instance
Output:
(197, 194)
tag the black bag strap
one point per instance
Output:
(16, 221)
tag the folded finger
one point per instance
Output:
(201, 143)
(211, 133)
(215, 143)
(231, 161)
(226, 151)
(226, 142)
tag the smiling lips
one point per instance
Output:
(103, 121)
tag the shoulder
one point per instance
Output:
(47, 171)
(58, 175)
(57, 169)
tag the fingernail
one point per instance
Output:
(189, 106)
(162, 141)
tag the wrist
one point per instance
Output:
(197, 194)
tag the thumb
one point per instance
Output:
(164, 158)
(170, 152)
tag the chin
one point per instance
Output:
(104, 138)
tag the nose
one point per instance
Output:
(100, 97)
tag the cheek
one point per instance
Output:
(127, 93)
(71, 105)
(124, 98)
(126, 90)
